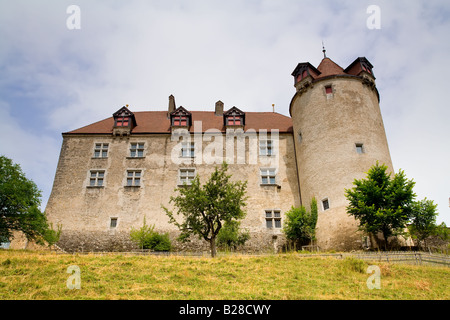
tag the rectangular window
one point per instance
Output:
(234, 120)
(134, 178)
(137, 150)
(325, 204)
(273, 219)
(266, 148)
(328, 90)
(96, 178)
(188, 149)
(179, 121)
(186, 176)
(113, 223)
(359, 148)
(101, 150)
(122, 121)
(268, 176)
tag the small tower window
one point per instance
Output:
(328, 89)
(325, 204)
(359, 148)
(113, 223)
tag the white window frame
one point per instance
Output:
(101, 150)
(133, 177)
(266, 147)
(185, 177)
(187, 150)
(270, 174)
(97, 178)
(272, 217)
(137, 149)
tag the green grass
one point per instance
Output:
(34, 275)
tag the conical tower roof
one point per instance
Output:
(328, 67)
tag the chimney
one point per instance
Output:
(219, 108)
(171, 105)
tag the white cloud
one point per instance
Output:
(241, 52)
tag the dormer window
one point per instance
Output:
(234, 117)
(124, 122)
(302, 74)
(366, 68)
(361, 64)
(304, 70)
(124, 118)
(180, 117)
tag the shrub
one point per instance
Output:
(230, 237)
(147, 238)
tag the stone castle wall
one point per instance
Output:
(85, 212)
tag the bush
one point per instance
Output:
(147, 238)
(230, 237)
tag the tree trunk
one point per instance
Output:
(385, 236)
(212, 244)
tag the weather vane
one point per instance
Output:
(323, 50)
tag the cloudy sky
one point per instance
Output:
(55, 79)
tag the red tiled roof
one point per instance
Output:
(329, 68)
(158, 122)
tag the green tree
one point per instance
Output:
(230, 235)
(423, 220)
(300, 225)
(52, 236)
(205, 208)
(442, 231)
(19, 205)
(147, 238)
(381, 204)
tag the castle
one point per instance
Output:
(113, 173)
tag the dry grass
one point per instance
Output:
(33, 275)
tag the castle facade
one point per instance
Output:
(115, 172)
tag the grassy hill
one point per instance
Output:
(43, 275)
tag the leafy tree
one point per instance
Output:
(230, 236)
(442, 231)
(19, 205)
(300, 225)
(423, 218)
(205, 208)
(52, 236)
(147, 238)
(381, 204)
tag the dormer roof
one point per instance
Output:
(125, 112)
(328, 68)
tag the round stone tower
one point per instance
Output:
(339, 134)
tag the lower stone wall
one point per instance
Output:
(97, 241)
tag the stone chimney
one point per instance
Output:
(172, 106)
(219, 108)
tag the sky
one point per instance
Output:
(59, 73)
